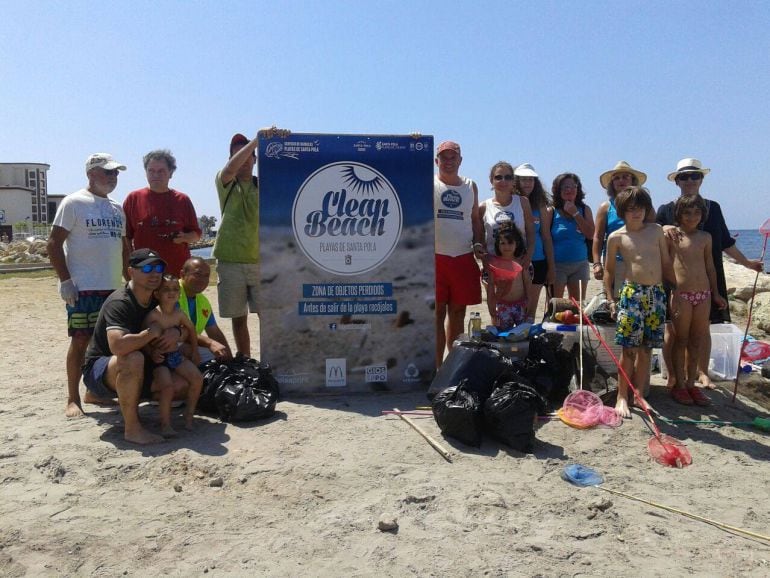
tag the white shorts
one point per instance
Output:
(237, 289)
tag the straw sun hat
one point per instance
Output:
(688, 165)
(621, 167)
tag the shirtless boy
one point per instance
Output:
(696, 289)
(641, 308)
(165, 316)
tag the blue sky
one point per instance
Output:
(567, 86)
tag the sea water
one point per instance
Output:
(750, 242)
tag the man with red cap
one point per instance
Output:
(237, 245)
(459, 235)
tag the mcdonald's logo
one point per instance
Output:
(336, 372)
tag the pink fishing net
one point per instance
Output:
(669, 451)
(584, 409)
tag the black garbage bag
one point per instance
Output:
(478, 363)
(240, 390)
(214, 372)
(509, 414)
(563, 375)
(457, 411)
(549, 367)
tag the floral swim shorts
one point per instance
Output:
(510, 314)
(641, 316)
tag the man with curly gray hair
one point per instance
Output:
(159, 217)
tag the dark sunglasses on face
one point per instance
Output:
(689, 177)
(158, 268)
(503, 177)
(111, 172)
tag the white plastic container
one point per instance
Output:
(725, 351)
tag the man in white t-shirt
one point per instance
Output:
(459, 235)
(88, 250)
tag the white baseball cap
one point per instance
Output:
(103, 161)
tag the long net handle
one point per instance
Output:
(748, 321)
(642, 403)
(688, 515)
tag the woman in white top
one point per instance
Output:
(506, 206)
(526, 183)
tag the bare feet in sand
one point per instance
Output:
(621, 408)
(705, 381)
(188, 421)
(91, 398)
(142, 437)
(74, 410)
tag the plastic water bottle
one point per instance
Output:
(475, 327)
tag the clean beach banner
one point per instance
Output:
(346, 248)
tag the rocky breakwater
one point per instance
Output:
(33, 252)
(741, 293)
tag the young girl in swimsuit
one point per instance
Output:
(166, 315)
(696, 288)
(508, 288)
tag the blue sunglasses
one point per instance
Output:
(158, 268)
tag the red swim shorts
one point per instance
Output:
(458, 280)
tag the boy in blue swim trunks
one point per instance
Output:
(641, 308)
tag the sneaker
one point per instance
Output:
(681, 395)
(698, 396)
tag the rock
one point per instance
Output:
(600, 504)
(745, 292)
(738, 308)
(761, 312)
(388, 523)
(766, 370)
(217, 482)
(177, 487)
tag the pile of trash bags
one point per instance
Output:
(478, 390)
(242, 389)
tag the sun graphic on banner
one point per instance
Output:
(361, 180)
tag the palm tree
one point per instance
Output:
(207, 224)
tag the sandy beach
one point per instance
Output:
(302, 493)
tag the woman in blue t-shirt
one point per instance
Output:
(571, 230)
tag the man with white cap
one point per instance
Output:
(459, 236)
(88, 250)
(688, 176)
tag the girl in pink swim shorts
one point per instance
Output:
(696, 288)
(508, 288)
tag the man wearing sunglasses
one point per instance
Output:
(115, 361)
(88, 250)
(688, 176)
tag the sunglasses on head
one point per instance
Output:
(503, 177)
(157, 268)
(689, 177)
